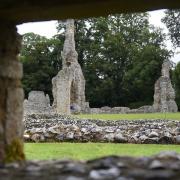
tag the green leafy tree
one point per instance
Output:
(172, 22)
(40, 58)
(176, 82)
(121, 57)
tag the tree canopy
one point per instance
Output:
(120, 55)
(172, 22)
(176, 82)
(40, 60)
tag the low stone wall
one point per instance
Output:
(38, 102)
(164, 166)
(120, 110)
(58, 128)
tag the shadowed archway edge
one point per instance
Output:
(32, 10)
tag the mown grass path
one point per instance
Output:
(84, 151)
(174, 116)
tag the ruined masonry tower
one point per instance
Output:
(164, 94)
(69, 83)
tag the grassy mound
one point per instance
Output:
(174, 116)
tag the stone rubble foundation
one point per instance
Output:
(59, 128)
(164, 166)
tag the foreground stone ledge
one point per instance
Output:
(164, 166)
(59, 128)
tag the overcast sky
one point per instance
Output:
(48, 28)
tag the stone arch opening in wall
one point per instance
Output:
(17, 12)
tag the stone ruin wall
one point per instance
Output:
(69, 88)
(164, 98)
(163, 166)
(63, 128)
(37, 102)
(11, 95)
(119, 110)
(69, 84)
(164, 94)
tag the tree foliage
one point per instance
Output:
(172, 22)
(40, 60)
(176, 82)
(121, 57)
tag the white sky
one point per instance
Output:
(45, 28)
(48, 28)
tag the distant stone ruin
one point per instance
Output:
(120, 110)
(37, 102)
(164, 94)
(69, 89)
(164, 97)
(69, 84)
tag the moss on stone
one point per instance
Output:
(14, 151)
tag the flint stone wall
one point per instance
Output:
(37, 102)
(163, 166)
(31, 108)
(59, 128)
(120, 110)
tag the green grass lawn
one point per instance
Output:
(84, 151)
(175, 116)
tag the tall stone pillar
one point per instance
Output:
(164, 94)
(69, 83)
(11, 95)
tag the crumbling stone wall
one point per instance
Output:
(37, 102)
(69, 84)
(164, 94)
(119, 110)
(163, 166)
(164, 97)
(62, 128)
(11, 95)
